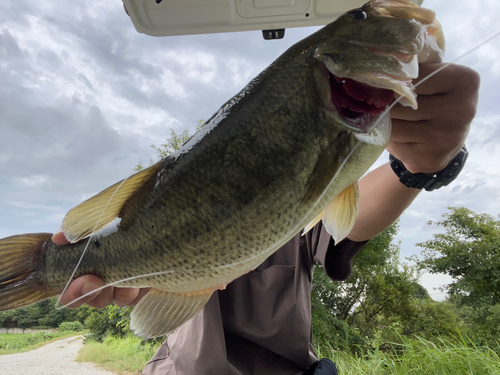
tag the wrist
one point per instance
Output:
(430, 181)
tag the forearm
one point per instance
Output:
(382, 199)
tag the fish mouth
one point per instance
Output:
(357, 103)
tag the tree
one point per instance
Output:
(379, 281)
(380, 301)
(173, 143)
(42, 314)
(469, 252)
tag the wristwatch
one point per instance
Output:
(430, 181)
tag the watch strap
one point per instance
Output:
(430, 181)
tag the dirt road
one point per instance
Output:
(57, 358)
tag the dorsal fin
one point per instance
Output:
(80, 221)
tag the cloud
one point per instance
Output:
(83, 96)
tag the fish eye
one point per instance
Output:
(358, 14)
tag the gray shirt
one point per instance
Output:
(261, 323)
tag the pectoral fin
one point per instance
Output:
(80, 221)
(160, 313)
(340, 215)
(315, 221)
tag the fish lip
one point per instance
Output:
(403, 52)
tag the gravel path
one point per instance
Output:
(56, 358)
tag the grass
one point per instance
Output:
(17, 343)
(121, 356)
(412, 357)
(421, 357)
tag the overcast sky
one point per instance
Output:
(83, 95)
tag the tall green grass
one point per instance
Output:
(420, 357)
(118, 355)
(411, 357)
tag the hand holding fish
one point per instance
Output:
(286, 151)
(87, 283)
(425, 140)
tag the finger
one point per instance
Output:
(452, 77)
(431, 159)
(410, 131)
(58, 238)
(435, 133)
(79, 287)
(451, 106)
(125, 296)
(142, 293)
(103, 298)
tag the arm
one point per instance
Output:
(425, 140)
(382, 199)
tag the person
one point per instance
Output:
(261, 323)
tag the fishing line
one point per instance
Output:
(433, 74)
(85, 249)
(292, 232)
(158, 273)
(269, 250)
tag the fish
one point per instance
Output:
(279, 157)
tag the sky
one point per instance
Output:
(83, 95)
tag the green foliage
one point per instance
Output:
(173, 143)
(14, 343)
(372, 268)
(469, 251)
(71, 326)
(379, 303)
(19, 341)
(329, 332)
(109, 321)
(126, 355)
(420, 357)
(42, 313)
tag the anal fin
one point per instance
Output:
(160, 313)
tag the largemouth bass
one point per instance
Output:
(283, 154)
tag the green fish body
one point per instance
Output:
(284, 153)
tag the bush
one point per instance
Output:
(71, 326)
(111, 320)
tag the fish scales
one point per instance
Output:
(241, 163)
(283, 154)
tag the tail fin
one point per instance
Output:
(20, 258)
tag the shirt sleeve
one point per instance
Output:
(336, 259)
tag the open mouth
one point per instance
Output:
(358, 103)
